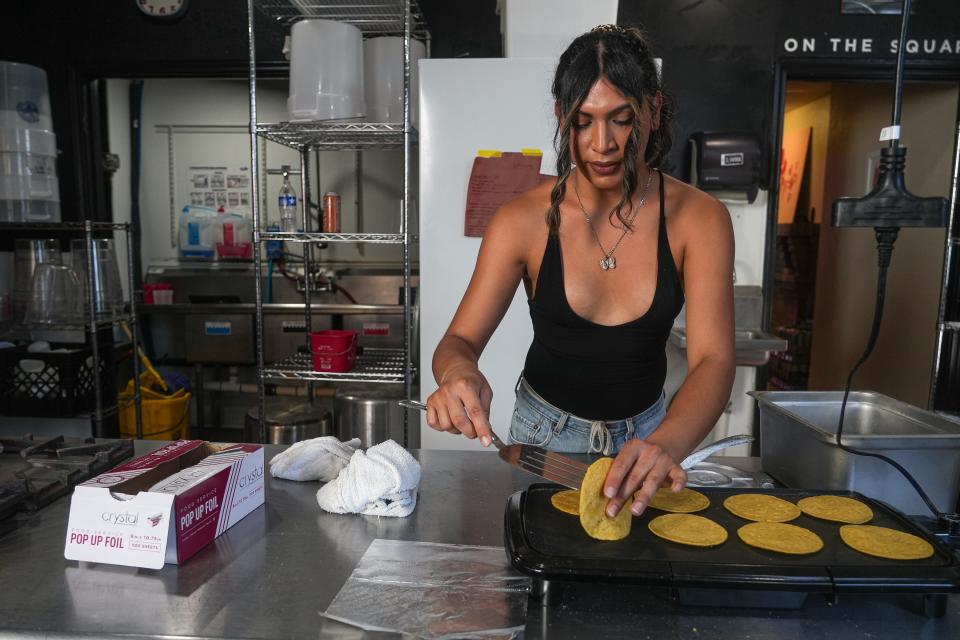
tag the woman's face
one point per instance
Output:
(600, 130)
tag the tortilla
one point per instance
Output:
(761, 507)
(685, 528)
(780, 537)
(836, 509)
(567, 501)
(593, 506)
(885, 543)
(686, 501)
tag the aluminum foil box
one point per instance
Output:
(166, 505)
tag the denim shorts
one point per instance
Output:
(537, 422)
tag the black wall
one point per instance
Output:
(720, 56)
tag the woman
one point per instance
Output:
(607, 254)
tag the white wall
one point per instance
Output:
(544, 28)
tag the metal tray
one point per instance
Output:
(798, 447)
(551, 546)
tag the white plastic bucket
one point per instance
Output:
(30, 210)
(24, 98)
(326, 78)
(383, 78)
(13, 163)
(38, 141)
(25, 187)
(29, 190)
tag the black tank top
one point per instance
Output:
(595, 371)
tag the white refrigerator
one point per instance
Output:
(465, 106)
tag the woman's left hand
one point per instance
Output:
(644, 466)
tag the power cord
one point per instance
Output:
(886, 236)
(888, 208)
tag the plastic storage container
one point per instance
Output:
(333, 350)
(383, 78)
(235, 237)
(29, 189)
(24, 97)
(57, 383)
(199, 232)
(326, 71)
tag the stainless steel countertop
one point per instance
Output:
(275, 572)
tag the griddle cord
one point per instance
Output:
(892, 165)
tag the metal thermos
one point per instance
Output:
(331, 212)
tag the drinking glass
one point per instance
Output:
(107, 294)
(28, 253)
(54, 296)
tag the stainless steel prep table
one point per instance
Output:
(274, 573)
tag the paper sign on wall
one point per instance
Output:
(219, 186)
(496, 178)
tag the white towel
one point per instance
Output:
(315, 459)
(382, 481)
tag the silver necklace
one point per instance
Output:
(608, 262)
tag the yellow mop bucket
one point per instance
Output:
(165, 417)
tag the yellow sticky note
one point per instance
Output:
(531, 152)
(489, 153)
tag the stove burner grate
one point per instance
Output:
(35, 472)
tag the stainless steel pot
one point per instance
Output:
(288, 421)
(371, 413)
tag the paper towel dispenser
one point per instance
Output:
(725, 161)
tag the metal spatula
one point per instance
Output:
(558, 468)
(546, 464)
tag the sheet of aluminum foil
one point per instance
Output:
(434, 591)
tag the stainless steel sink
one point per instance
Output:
(753, 346)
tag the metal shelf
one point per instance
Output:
(373, 365)
(93, 325)
(274, 308)
(62, 226)
(370, 238)
(77, 326)
(372, 17)
(335, 136)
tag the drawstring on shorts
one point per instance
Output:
(600, 438)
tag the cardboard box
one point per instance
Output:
(166, 505)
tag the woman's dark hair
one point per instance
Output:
(622, 55)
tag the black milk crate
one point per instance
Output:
(55, 384)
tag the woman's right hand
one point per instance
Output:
(462, 404)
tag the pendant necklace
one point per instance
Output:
(608, 262)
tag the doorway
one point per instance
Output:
(824, 279)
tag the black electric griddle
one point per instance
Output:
(552, 548)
